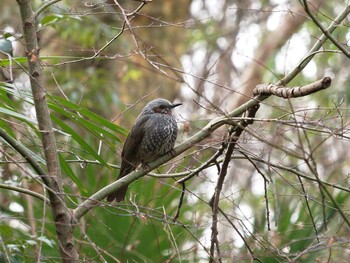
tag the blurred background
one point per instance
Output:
(209, 55)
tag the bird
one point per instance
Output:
(152, 135)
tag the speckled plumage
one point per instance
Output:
(153, 135)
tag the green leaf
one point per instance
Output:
(104, 122)
(52, 59)
(8, 34)
(54, 18)
(68, 171)
(49, 242)
(6, 127)
(97, 130)
(76, 137)
(4, 95)
(51, 19)
(91, 115)
(17, 115)
(6, 62)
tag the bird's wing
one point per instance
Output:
(133, 141)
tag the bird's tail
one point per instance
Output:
(120, 194)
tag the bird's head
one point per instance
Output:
(162, 106)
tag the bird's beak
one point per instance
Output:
(175, 105)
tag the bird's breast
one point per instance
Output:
(159, 138)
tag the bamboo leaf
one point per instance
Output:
(97, 130)
(91, 115)
(68, 171)
(23, 60)
(76, 137)
(17, 115)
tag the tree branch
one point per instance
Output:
(313, 51)
(324, 31)
(61, 214)
(26, 154)
(294, 92)
(24, 191)
(45, 6)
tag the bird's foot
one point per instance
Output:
(172, 152)
(145, 166)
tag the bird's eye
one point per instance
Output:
(161, 106)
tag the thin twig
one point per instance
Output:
(324, 30)
(24, 191)
(266, 181)
(205, 165)
(299, 178)
(126, 16)
(309, 208)
(180, 201)
(45, 6)
(3, 246)
(42, 229)
(25, 153)
(319, 43)
(238, 232)
(127, 21)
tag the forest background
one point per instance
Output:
(254, 176)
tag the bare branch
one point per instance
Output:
(126, 17)
(205, 165)
(26, 154)
(6, 256)
(45, 6)
(294, 92)
(24, 191)
(342, 15)
(42, 230)
(180, 201)
(324, 31)
(266, 181)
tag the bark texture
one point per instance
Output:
(52, 179)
